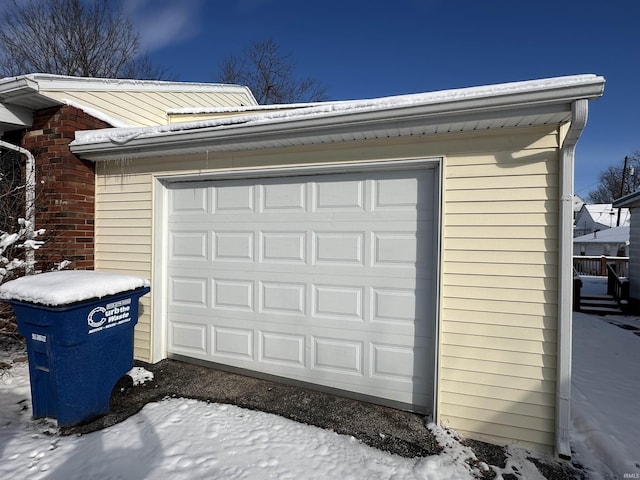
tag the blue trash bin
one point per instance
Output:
(77, 353)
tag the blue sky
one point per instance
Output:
(364, 49)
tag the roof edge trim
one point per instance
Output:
(627, 200)
(317, 121)
(35, 82)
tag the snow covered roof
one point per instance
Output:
(112, 98)
(630, 200)
(616, 235)
(243, 108)
(516, 104)
(16, 87)
(606, 214)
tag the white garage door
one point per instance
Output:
(327, 279)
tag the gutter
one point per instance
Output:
(30, 195)
(627, 201)
(17, 86)
(315, 124)
(565, 295)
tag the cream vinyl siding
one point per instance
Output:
(148, 108)
(123, 231)
(498, 293)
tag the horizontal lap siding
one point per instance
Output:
(499, 294)
(123, 236)
(147, 108)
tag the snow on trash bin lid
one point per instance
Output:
(69, 286)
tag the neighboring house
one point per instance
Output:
(577, 204)
(599, 216)
(366, 246)
(609, 242)
(632, 202)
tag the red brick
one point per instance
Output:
(66, 196)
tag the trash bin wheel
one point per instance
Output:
(123, 386)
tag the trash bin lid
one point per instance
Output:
(68, 286)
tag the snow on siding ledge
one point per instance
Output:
(97, 114)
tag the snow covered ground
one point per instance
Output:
(182, 438)
(189, 439)
(606, 390)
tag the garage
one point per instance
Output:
(374, 247)
(325, 279)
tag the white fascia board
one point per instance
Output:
(33, 84)
(12, 87)
(429, 109)
(62, 82)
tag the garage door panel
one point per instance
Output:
(233, 199)
(282, 298)
(283, 246)
(398, 194)
(331, 301)
(189, 245)
(283, 197)
(282, 349)
(232, 342)
(398, 249)
(340, 356)
(184, 200)
(386, 356)
(189, 291)
(233, 246)
(188, 338)
(394, 272)
(324, 279)
(376, 364)
(398, 243)
(339, 196)
(334, 247)
(233, 294)
(385, 304)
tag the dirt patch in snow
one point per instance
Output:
(388, 429)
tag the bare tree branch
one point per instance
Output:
(269, 74)
(72, 37)
(610, 187)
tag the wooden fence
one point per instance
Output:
(597, 266)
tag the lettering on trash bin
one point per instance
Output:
(39, 337)
(110, 315)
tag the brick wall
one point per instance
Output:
(65, 189)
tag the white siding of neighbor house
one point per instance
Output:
(148, 108)
(499, 263)
(634, 253)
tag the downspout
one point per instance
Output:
(565, 309)
(30, 196)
